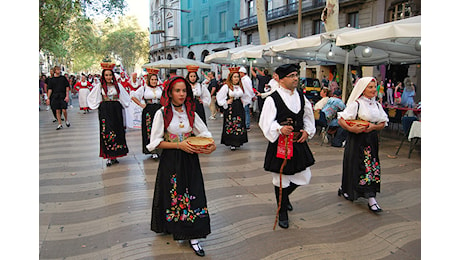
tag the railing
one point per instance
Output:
(286, 11)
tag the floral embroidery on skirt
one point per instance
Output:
(372, 169)
(181, 206)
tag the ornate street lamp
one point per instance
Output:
(236, 32)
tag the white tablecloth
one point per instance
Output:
(415, 130)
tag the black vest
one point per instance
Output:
(302, 156)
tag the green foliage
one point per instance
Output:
(69, 34)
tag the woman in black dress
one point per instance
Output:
(231, 97)
(179, 201)
(361, 164)
(110, 97)
(151, 94)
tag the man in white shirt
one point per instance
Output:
(247, 86)
(287, 113)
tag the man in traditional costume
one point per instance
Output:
(287, 122)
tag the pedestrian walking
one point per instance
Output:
(58, 92)
(179, 200)
(201, 95)
(287, 121)
(151, 94)
(231, 98)
(263, 77)
(213, 88)
(390, 90)
(110, 96)
(83, 87)
(246, 84)
(407, 98)
(361, 174)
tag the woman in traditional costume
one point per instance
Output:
(151, 94)
(231, 97)
(179, 201)
(201, 95)
(361, 164)
(83, 87)
(110, 97)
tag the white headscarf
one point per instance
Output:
(360, 86)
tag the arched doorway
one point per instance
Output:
(204, 54)
(191, 55)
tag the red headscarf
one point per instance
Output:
(167, 102)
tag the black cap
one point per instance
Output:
(286, 69)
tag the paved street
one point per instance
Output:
(89, 211)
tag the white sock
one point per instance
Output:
(195, 244)
(372, 201)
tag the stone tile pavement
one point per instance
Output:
(89, 211)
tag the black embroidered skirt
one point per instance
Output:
(148, 113)
(111, 130)
(361, 165)
(199, 109)
(179, 200)
(234, 130)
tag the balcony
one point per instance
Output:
(289, 11)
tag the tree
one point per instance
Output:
(55, 17)
(127, 42)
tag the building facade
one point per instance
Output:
(191, 28)
(165, 35)
(208, 28)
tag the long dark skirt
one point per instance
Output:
(179, 200)
(234, 130)
(361, 165)
(112, 133)
(199, 109)
(148, 113)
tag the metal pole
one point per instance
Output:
(345, 79)
(164, 27)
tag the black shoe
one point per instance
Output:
(341, 193)
(115, 161)
(289, 206)
(59, 127)
(155, 156)
(378, 209)
(109, 162)
(67, 123)
(199, 251)
(233, 148)
(283, 220)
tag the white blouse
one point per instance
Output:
(369, 110)
(95, 96)
(178, 119)
(267, 122)
(274, 85)
(147, 92)
(225, 91)
(201, 92)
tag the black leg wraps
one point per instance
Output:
(285, 204)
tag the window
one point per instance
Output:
(249, 39)
(353, 20)
(251, 10)
(205, 27)
(269, 5)
(318, 27)
(400, 11)
(190, 31)
(223, 22)
(170, 24)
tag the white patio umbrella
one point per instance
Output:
(224, 57)
(390, 43)
(177, 63)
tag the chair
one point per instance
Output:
(394, 116)
(407, 124)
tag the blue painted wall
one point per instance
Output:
(221, 16)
